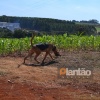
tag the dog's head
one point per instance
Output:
(54, 49)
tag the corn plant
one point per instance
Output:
(72, 42)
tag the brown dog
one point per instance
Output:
(43, 47)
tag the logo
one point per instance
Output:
(75, 72)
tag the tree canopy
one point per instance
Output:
(50, 26)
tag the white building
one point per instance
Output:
(10, 26)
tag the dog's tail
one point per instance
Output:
(33, 35)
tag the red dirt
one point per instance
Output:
(36, 82)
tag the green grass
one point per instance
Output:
(61, 41)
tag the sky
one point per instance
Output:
(57, 9)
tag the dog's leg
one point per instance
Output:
(25, 59)
(45, 57)
(50, 56)
(35, 58)
(29, 55)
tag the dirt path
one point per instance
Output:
(35, 82)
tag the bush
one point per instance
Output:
(19, 34)
(5, 33)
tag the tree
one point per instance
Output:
(50, 26)
(19, 34)
(5, 33)
(94, 21)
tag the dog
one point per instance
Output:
(42, 47)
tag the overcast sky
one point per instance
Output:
(58, 9)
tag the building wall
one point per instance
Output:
(10, 26)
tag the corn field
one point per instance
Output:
(61, 41)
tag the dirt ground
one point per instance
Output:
(32, 81)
